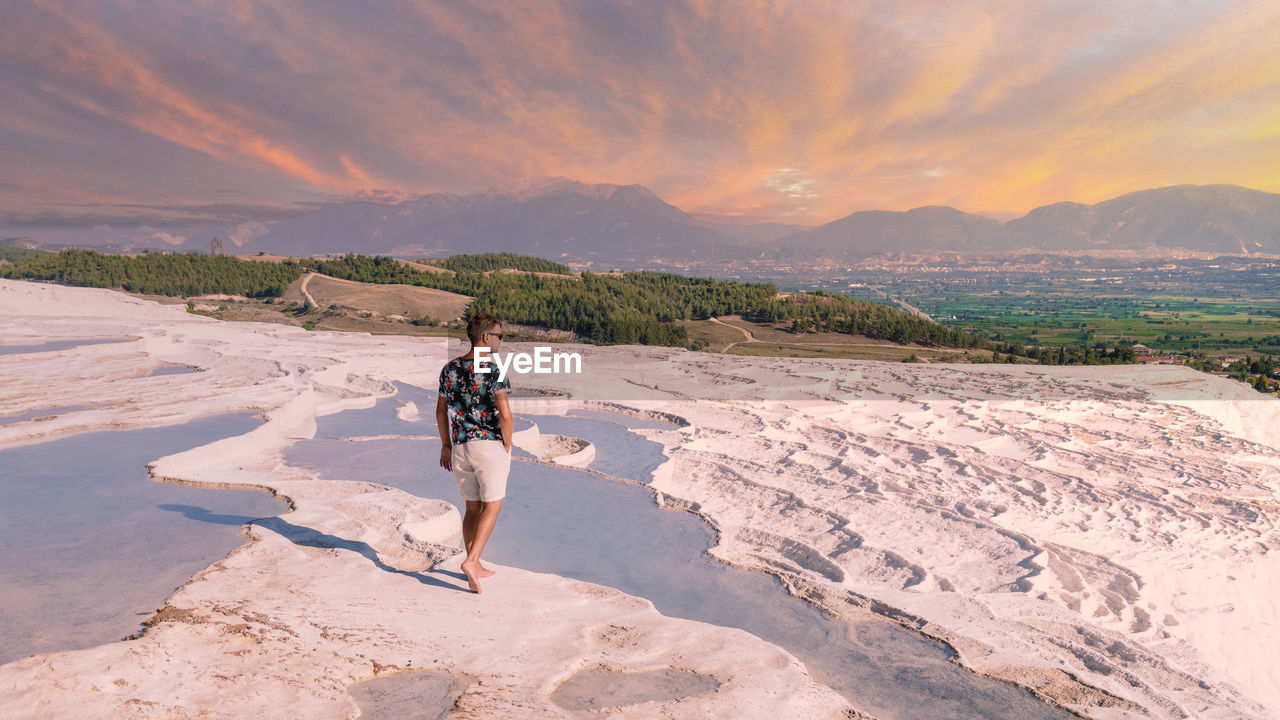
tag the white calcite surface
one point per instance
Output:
(1103, 536)
(1071, 529)
(329, 594)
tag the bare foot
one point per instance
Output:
(473, 576)
(485, 572)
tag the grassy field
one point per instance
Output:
(287, 313)
(340, 305)
(348, 306)
(392, 301)
(717, 336)
(1165, 323)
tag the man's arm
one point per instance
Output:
(446, 443)
(506, 422)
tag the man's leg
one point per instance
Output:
(488, 516)
(469, 521)
(465, 472)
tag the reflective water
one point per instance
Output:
(41, 413)
(382, 419)
(171, 370)
(576, 524)
(93, 545)
(619, 452)
(54, 345)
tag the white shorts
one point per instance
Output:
(481, 468)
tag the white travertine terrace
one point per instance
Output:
(1104, 536)
(284, 624)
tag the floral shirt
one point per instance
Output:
(472, 400)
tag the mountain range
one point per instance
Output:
(629, 226)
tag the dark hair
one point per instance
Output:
(479, 324)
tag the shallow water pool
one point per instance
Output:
(41, 413)
(579, 525)
(620, 452)
(54, 345)
(171, 370)
(93, 545)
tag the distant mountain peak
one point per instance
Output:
(638, 191)
(630, 225)
(938, 210)
(529, 188)
(548, 216)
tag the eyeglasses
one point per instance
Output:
(497, 335)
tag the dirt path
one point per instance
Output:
(745, 332)
(306, 280)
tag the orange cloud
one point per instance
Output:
(796, 111)
(70, 46)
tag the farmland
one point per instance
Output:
(1207, 306)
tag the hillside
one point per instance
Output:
(10, 253)
(873, 232)
(636, 307)
(394, 302)
(1213, 218)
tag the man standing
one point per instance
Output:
(475, 424)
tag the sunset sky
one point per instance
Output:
(770, 111)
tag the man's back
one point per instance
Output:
(471, 399)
